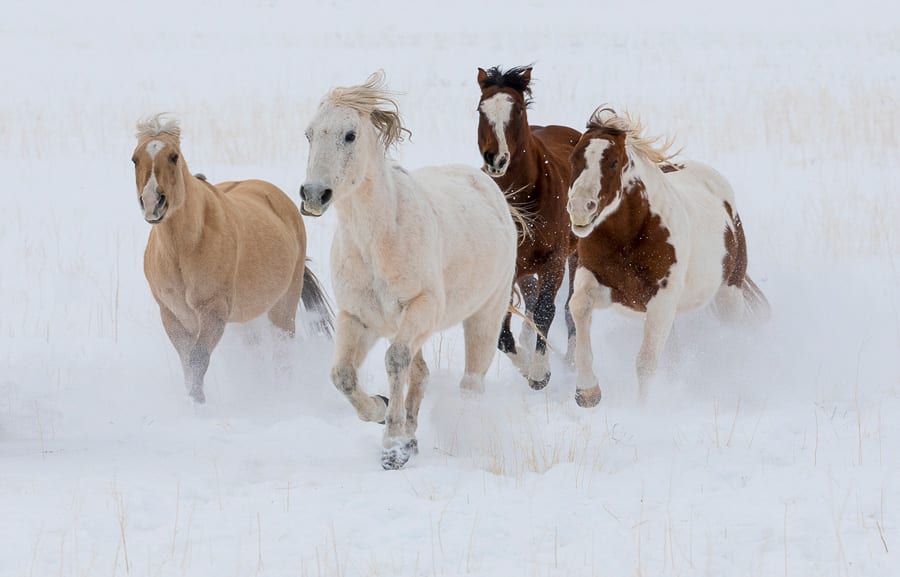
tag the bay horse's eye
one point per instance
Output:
(350, 136)
(173, 158)
(614, 164)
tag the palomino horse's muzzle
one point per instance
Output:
(315, 198)
(154, 206)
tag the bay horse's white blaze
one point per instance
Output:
(413, 253)
(651, 241)
(497, 109)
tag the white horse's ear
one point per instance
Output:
(482, 77)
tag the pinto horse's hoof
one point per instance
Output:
(385, 399)
(588, 398)
(538, 385)
(395, 457)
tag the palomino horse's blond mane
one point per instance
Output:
(371, 98)
(607, 118)
(157, 125)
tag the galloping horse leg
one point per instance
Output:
(657, 326)
(549, 280)
(507, 344)
(527, 336)
(211, 324)
(570, 322)
(417, 320)
(181, 338)
(418, 374)
(480, 331)
(353, 341)
(588, 295)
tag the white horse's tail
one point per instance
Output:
(316, 301)
(755, 301)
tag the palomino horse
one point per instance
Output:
(655, 237)
(531, 164)
(217, 254)
(413, 253)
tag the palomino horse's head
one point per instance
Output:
(502, 116)
(158, 168)
(602, 167)
(353, 126)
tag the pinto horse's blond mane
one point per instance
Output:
(605, 118)
(156, 126)
(372, 99)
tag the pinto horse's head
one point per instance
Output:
(599, 162)
(502, 115)
(353, 127)
(158, 168)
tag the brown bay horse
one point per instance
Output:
(531, 165)
(217, 254)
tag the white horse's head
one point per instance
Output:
(353, 126)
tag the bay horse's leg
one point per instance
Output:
(418, 374)
(353, 341)
(588, 295)
(570, 322)
(657, 326)
(527, 336)
(211, 324)
(480, 330)
(549, 280)
(181, 339)
(418, 319)
(507, 344)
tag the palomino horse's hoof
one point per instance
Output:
(198, 396)
(588, 397)
(385, 399)
(538, 385)
(397, 456)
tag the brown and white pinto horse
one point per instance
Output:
(531, 165)
(217, 254)
(655, 237)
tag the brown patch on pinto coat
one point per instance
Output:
(734, 265)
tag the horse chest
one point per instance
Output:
(363, 293)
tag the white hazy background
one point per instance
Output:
(762, 451)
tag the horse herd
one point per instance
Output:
(418, 252)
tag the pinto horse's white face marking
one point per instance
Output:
(597, 190)
(497, 110)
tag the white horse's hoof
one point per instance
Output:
(588, 397)
(538, 384)
(395, 457)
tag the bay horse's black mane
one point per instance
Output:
(513, 78)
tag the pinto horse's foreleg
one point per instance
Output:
(544, 311)
(353, 341)
(657, 326)
(570, 322)
(211, 324)
(587, 296)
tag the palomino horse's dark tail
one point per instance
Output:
(756, 302)
(316, 301)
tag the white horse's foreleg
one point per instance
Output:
(480, 332)
(418, 319)
(353, 340)
(657, 326)
(588, 294)
(418, 375)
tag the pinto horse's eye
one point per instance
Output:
(134, 160)
(350, 136)
(173, 158)
(614, 164)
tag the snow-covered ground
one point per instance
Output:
(765, 451)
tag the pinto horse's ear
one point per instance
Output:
(482, 77)
(526, 76)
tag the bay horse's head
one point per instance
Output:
(158, 168)
(353, 126)
(502, 115)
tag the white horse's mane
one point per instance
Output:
(373, 99)
(606, 118)
(157, 125)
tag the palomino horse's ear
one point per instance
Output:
(482, 77)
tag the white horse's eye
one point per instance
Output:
(306, 134)
(350, 136)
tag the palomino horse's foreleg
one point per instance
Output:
(417, 320)
(353, 340)
(588, 295)
(570, 322)
(211, 325)
(549, 281)
(657, 326)
(181, 338)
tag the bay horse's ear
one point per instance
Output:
(526, 76)
(482, 77)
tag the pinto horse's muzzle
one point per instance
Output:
(315, 198)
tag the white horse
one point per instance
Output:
(413, 253)
(655, 237)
